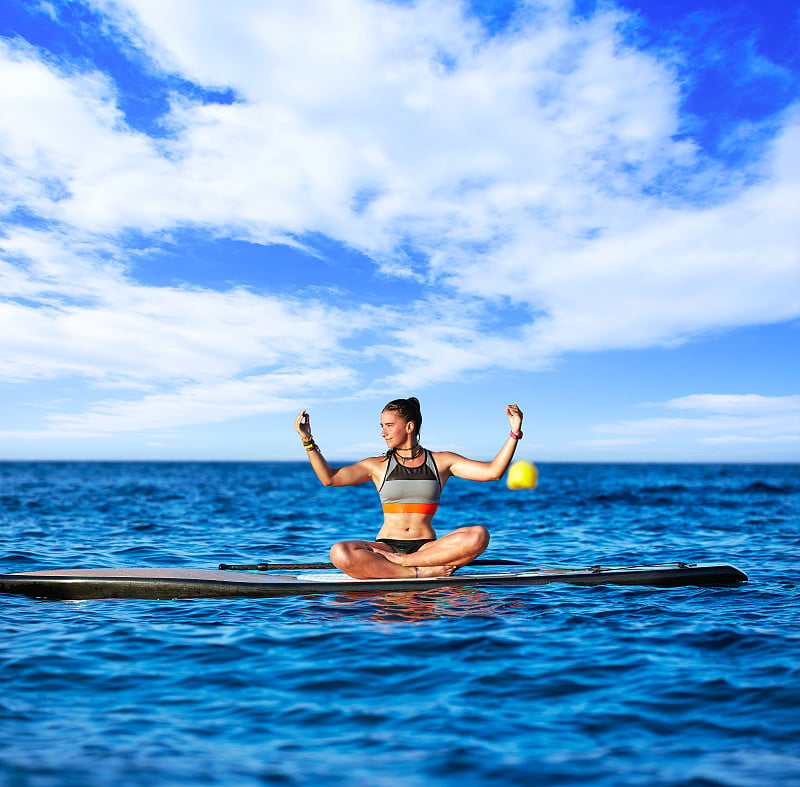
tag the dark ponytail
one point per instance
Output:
(408, 410)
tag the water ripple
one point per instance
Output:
(553, 685)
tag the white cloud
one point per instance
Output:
(535, 146)
(518, 168)
(65, 145)
(737, 404)
(122, 330)
(622, 442)
(723, 419)
(194, 403)
(658, 273)
(737, 440)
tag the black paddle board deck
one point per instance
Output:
(171, 583)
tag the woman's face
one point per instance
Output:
(395, 430)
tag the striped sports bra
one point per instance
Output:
(411, 490)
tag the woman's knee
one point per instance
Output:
(477, 537)
(340, 554)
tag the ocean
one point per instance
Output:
(548, 685)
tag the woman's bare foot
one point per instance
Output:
(434, 571)
(408, 561)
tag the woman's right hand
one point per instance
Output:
(302, 425)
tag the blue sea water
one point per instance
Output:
(549, 685)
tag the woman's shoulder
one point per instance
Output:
(359, 472)
(444, 459)
(445, 455)
(374, 463)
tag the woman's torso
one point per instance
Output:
(410, 497)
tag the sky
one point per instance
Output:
(214, 215)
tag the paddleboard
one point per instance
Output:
(172, 583)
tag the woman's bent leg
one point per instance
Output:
(457, 549)
(368, 560)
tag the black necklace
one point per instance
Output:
(415, 452)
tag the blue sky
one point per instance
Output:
(216, 214)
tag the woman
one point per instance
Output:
(409, 479)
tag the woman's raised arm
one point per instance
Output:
(473, 470)
(350, 475)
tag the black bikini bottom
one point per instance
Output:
(405, 546)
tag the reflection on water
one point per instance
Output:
(435, 603)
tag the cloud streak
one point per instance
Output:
(719, 419)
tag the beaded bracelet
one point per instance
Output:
(516, 436)
(312, 446)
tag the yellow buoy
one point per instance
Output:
(522, 475)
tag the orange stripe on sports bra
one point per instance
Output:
(410, 508)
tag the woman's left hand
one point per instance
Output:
(514, 417)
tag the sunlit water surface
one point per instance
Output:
(552, 685)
